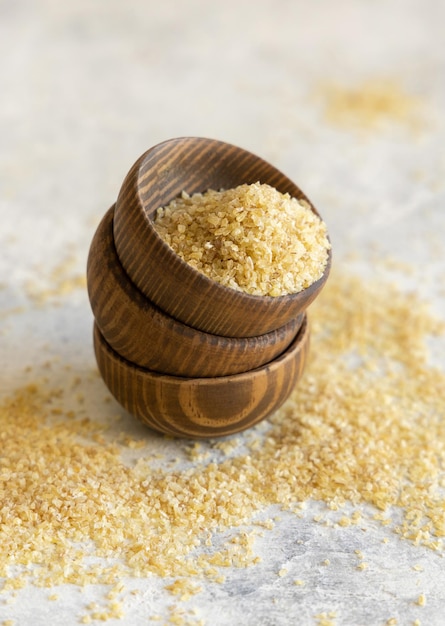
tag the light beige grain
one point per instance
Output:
(421, 600)
(370, 105)
(251, 238)
(364, 426)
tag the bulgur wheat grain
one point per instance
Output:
(250, 238)
(369, 105)
(365, 425)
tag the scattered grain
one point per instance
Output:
(61, 281)
(184, 587)
(421, 600)
(180, 617)
(326, 618)
(13, 312)
(364, 426)
(369, 105)
(227, 446)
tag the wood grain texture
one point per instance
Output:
(162, 173)
(140, 332)
(202, 407)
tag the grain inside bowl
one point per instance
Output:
(251, 238)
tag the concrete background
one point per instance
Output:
(87, 86)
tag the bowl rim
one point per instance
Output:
(200, 277)
(298, 344)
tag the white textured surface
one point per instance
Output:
(86, 87)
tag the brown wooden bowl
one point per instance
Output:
(195, 164)
(140, 332)
(202, 407)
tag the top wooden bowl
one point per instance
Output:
(193, 165)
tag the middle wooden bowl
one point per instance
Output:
(202, 407)
(142, 333)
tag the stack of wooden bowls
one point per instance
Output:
(183, 353)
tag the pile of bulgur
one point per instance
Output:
(370, 105)
(364, 426)
(251, 238)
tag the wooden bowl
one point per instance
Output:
(202, 407)
(195, 165)
(142, 333)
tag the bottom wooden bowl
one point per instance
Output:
(202, 407)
